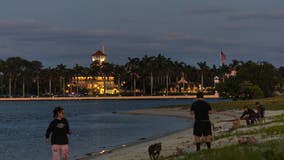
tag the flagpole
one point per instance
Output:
(220, 62)
(222, 58)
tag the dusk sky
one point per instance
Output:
(191, 31)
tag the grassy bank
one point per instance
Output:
(272, 127)
(265, 151)
(273, 103)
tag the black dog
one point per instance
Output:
(154, 151)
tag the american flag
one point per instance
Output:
(222, 58)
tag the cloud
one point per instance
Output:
(239, 14)
(198, 41)
(32, 30)
(212, 10)
(54, 45)
(264, 15)
(61, 45)
(238, 27)
(30, 39)
(5, 52)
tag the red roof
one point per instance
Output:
(98, 53)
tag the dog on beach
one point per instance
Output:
(247, 140)
(154, 151)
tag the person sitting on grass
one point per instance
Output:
(250, 119)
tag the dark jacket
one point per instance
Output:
(250, 112)
(260, 111)
(201, 110)
(59, 130)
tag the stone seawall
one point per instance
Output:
(103, 98)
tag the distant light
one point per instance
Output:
(102, 152)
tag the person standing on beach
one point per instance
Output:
(59, 128)
(202, 125)
(260, 110)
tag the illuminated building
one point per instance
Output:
(99, 57)
(98, 85)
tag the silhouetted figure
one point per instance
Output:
(249, 115)
(58, 128)
(202, 125)
(154, 151)
(260, 110)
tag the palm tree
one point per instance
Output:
(223, 70)
(95, 70)
(146, 71)
(179, 68)
(119, 75)
(36, 66)
(85, 72)
(107, 71)
(169, 70)
(132, 67)
(235, 64)
(78, 70)
(62, 73)
(2, 71)
(48, 76)
(203, 69)
(161, 63)
(13, 69)
(24, 75)
(26, 69)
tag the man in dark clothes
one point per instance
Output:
(251, 115)
(202, 125)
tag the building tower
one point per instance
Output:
(99, 56)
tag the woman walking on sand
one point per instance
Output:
(59, 128)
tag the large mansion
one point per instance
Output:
(98, 85)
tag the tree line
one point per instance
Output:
(149, 75)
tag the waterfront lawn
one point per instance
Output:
(267, 149)
(273, 103)
(265, 131)
(272, 150)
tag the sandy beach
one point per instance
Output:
(175, 143)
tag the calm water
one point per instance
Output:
(93, 125)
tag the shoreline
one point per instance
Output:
(172, 143)
(177, 142)
(133, 150)
(94, 155)
(106, 98)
